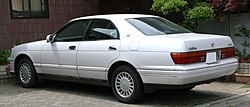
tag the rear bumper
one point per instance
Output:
(183, 77)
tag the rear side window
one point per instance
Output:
(101, 30)
(151, 26)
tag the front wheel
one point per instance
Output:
(127, 85)
(26, 73)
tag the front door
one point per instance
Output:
(59, 57)
(100, 48)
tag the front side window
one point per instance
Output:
(102, 29)
(29, 9)
(73, 31)
(152, 26)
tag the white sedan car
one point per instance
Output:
(131, 53)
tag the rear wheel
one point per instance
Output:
(127, 85)
(26, 73)
(187, 88)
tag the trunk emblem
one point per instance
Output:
(192, 48)
(212, 45)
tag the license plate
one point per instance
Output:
(211, 57)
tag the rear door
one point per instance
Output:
(100, 47)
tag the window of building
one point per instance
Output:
(29, 9)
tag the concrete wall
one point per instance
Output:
(227, 27)
(25, 30)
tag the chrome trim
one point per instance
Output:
(59, 66)
(37, 64)
(88, 68)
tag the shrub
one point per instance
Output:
(243, 32)
(4, 54)
(190, 11)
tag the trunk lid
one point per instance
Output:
(197, 42)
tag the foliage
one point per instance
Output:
(192, 11)
(4, 54)
(201, 12)
(247, 85)
(221, 7)
(157, 5)
(243, 32)
(173, 6)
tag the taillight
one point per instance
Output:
(200, 56)
(227, 52)
(188, 57)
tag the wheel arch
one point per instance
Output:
(18, 59)
(117, 64)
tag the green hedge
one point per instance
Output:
(4, 54)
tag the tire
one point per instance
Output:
(127, 85)
(26, 73)
(186, 89)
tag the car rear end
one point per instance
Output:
(172, 55)
(204, 59)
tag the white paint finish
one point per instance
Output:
(55, 58)
(134, 45)
(114, 17)
(56, 69)
(32, 46)
(146, 59)
(150, 55)
(34, 50)
(96, 54)
(164, 43)
(35, 56)
(38, 67)
(182, 77)
(92, 72)
(182, 42)
(204, 42)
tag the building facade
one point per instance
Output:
(29, 20)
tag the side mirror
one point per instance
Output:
(50, 38)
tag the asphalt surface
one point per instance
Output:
(61, 94)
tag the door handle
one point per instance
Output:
(112, 48)
(72, 47)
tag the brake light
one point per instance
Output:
(188, 57)
(227, 52)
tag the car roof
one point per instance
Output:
(114, 16)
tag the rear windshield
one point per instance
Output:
(152, 26)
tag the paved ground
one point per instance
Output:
(69, 94)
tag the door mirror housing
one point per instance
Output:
(50, 38)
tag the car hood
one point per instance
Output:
(35, 46)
